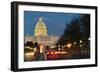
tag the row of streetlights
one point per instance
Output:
(69, 45)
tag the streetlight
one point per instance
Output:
(80, 45)
(81, 41)
(59, 49)
(58, 45)
(69, 45)
(74, 43)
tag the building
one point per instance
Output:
(40, 28)
(41, 34)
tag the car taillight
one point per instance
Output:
(48, 53)
(52, 52)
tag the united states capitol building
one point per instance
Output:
(41, 34)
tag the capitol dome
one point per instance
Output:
(40, 28)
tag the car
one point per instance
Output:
(54, 55)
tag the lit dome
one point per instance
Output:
(40, 28)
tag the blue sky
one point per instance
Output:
(54, 21)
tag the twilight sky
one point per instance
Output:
(54, 21)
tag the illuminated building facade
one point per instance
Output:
(41, 34)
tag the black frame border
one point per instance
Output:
(14, 35)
